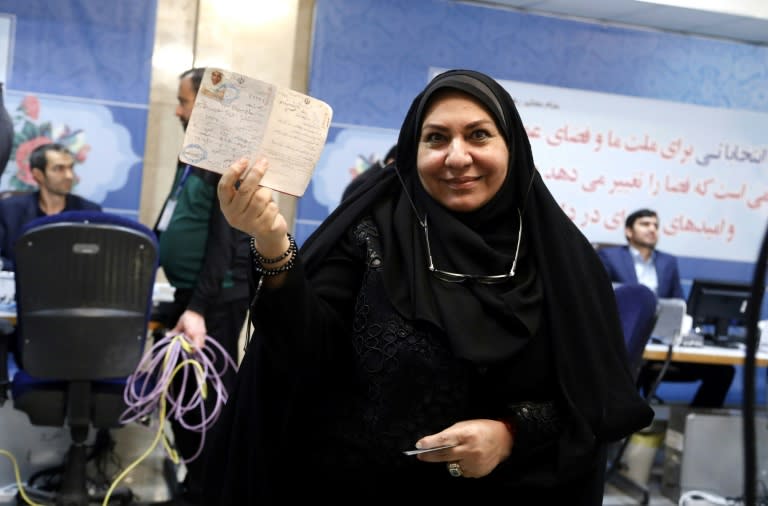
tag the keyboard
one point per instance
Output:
(732, 342)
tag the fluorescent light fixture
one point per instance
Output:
(746, 8)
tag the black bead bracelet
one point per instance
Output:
(259, 261)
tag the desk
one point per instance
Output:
(702, 355)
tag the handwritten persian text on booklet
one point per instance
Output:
(236, 116)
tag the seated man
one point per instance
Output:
(52, 167)
(641, 262)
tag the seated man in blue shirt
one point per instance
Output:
(52, 167)
(640, 262)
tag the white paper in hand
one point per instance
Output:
(236, 116)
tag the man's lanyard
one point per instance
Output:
(184, 176)
(170, 206)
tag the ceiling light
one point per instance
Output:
(746, 8)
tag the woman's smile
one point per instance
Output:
(462, 157)
(462, 183)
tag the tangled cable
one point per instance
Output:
(151, 385)
(150, 388)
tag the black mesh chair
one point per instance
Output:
(84, 285)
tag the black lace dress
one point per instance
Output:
(406, 383)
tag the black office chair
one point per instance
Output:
(638, 311)
(84, 285)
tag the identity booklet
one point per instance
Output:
(237, 116)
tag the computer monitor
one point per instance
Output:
(718, 309)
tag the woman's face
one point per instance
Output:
(462, 156)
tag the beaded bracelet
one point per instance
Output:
(266, 261)
(274, 272)
(259, 261)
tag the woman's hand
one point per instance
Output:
(249, 207)
(480, 446)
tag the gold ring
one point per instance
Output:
(455, 469)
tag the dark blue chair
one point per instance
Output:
(84, 284)
(638, 311)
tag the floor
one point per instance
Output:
(619, 497)
(150, 475)
(137, 459)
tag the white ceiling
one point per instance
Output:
(751, 29)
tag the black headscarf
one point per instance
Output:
(484, 323)
(561, 286)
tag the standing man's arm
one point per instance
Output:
(216, 262)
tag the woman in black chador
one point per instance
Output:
(449, 301)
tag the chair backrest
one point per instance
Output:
(638, 308)
(84, 284)
(10, 193)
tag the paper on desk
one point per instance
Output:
(236, 116)
(7, 292)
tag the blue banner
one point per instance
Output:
(78, 72)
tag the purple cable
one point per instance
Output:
(145, 388)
